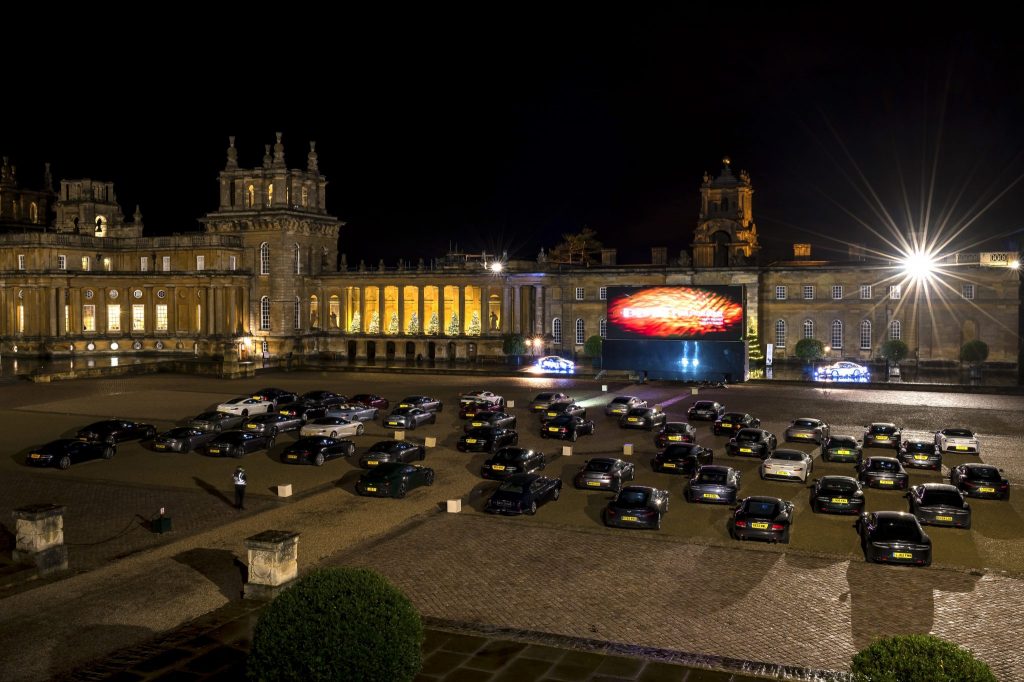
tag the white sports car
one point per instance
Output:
(480, 397)
(333, 427)
(553, 363)
(843, 370)
(958, 440)
(791, 465)
(246, 406)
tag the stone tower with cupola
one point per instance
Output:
(726, 234)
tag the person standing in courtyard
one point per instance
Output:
(240, 482)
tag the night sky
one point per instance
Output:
(504, 129)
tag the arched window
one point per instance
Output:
(297, 259)
(250, 196)
(314, 312)
(264, 258)
(297, 314)
(556, 329)
(780, 333)
(604, 329)
(270, 194)
(265, 313)
(865, 335)
(895, 330)
(837, 334)
(808, 329)
(581, 332)
(305, 196)
(33, 212)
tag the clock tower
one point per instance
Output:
(726, 234)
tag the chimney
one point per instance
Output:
(801, 251)
(856, 251)
(659, 255)
(608, 256)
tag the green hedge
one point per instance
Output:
(338, 624)
(918, 658)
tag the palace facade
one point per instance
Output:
(264, 279)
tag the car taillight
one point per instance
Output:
(741, 524)
(777, 526)
(1004, 486)
(611, 512)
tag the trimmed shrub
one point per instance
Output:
(338, 624)
(809, 350)
(918, 658)
(975, 352)
(593, 346)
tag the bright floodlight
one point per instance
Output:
(919, 265)
(1015, 265)
(496, 267)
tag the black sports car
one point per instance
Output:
(423, 402)
(675, 432)
(762, 518)
(939, 504)
(683, 458)
(837, 495)
(604, 473)
(882, 435)
(731, 422)
(388, 451)
(637, 506)
(409, 418)
(562, 408)
(393, 480)
(643, 418)
(324, 398)
(272, 423)
(316, 450)
(706, 410)
(752, 443)
(714, 484)
(523, 493)
(486, 439)
(507, 462)
(807, 430)
(496, 419)
(841, 449)
(304, 410)
(894, 537)
(920, 452)
(216, 421)
(567, 427)
(980, 480)
(883, 472)
(238, 443)
(479, 408)
(181, 439)
(116, 431)
(275, 395)
(64, 452)
(370, 400)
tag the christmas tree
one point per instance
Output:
(434, 326)
(393, 324)
(754, 352)
(414, 324)
(357, 323)
(474, 324)
(374, 327)
(453, 325)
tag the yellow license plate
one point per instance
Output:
(256, 397)
(372, 462)
(371, 489)
(35, 455)
(160, 446)
(404, 405)
(961, 447)
(902, 555)
(497, 467)
(803, 435)
(293, 456)
(471, 440)
(885, 481)
(745, 450)
(629, 518)
(471, 414)
(921, 458)
(476, 423)
(943, 518)
(726, 426)
(669, 465)
(881, 437)
(215, 450)
(594, 483)
(675, 437)
(631, 419)
(844, 452)
(986, 490)
(840, 500)
(710, 496)
(252, 426)
(759, 526)
(552, 414)
(781, 472)
(553, 428)
(393, 424)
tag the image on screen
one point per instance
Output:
(676, 312)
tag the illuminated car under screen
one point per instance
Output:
(713, 313)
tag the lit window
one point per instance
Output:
(580, 332)
(865, 291)
(780, 333)
(808, 292)
(200, 263)
(114, 317)
(21, 261)
(297, 259)
(305, 196)
(894, 291)
(21, 319)
(865, 335)
(67, 318)
(968, 291)
(895, 330)
(62, 262)
(199, 317)
(138, 317)
(837, 292)
(161, 317)
(780, 293)
(270, 194)
(265, 312)
(143, 263)
(108, 264)
(33, 212)
(167, 263)
(808, 329)
(85, 263)
(232, 263)
(602, 293)
(88, 318)
(250, 196)
(837, 334)
(556, 330)
(579, 293)
(264, 258)
(604, 329)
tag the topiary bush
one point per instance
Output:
(338, 624)
(918, 658)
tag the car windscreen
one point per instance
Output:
(838, 485)
(544, 397)
(620, 400)
(984, 474)
(632, 498)
(842, 442)
(748, 435)
(703, 405)
(712, 477)
(675, 427)
(733, 417)
(788, 456)
(509, 455)
(480, 433)
(889, 530)
(884, 465)
(637, 412)
(762, 508)
(208, 416)
(883, 428)
(329, 421)
(957, 433)
(511, 488)
(805, 424)
(599, 466)
(945, 498)
(920, 446)
(181, 432)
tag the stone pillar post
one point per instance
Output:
(220, 314)
(516, 306)
(40, 537)
(538, 310)
(273, 563)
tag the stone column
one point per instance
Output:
(219, 314)
(55, 312)
(273, 563)
(516, 305)
(462, 309)
(401, 310)
(419, 310)
(40, 537)
(538, 311)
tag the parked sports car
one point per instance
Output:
(246, 405)
(486, 439)
(181, 439)
(762, 518)
(622, 404)
(481, 397)
(714, 484)
(553, 363)
(562, 408)
(509, 461)
(423, 402)
(841, 449)
(324, 398)
(882, 435)
(790, 465)
(883, 472)
(370, 400)
(731, 422)
(116, 431)
(567, 427)
(304, 411)
(216, 421)
(939, 504)
(682, 458)
(276, 396)
(675, 432)
(807, 429)
(962, 441)
(837, 495)
(894, 537)
(409, 418)
(637, 506)
(238, 443)
(543, 400)
(496, 419)
(64, 452)
(391, 451)
(843, 369)
(523, 494)
(356, 412)
(393, 480)
(478, 408)
(316, 450)
(707, 410)
(980, 480)
(604, 473)
(752, 443)
(272, 423)
(643, 418)
(332, 427)
(920, 452)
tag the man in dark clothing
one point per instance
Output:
(240, 481)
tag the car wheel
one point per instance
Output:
(360, 430)
(245, 413)
(760, 472)
(533, 509)
(150, 434)
(575, 436)
(556, 494)
(423, 455)
(108, 452)
(270, 443)
(411, 427)
(237, 453)
(400, 493)
(785, 537)
(273, 432)
(617, 485)
(334, 434)
(319, 459)
(514, 424)
(64, 462)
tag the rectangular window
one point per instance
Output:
(581, 335)
(780, 293)
(199, 317)
(161, 317)
(604, 329)
(114, 317)
(894, 291)
(968, 291)
(837, 292)
(579, 293)
(143, 263)
(62, 262)
(865, 291)
(85, 263)
(138, 317)
(200, 263)
(67, 318)
(88, 318)
(21, 319)
(602, 293)
(780, 334)
(108, 265)
(167, 263)
(21, 261)
(808, 292)
(232, 262)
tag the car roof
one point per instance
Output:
(895, 515)
(715, 468)
(882, 424)
(762, 498)
(979, 465)
(939, 487)
(880, 458)
(605, 460)
(844, 479)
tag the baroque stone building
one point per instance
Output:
(263, 279)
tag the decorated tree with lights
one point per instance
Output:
(754, 351)
(414, 325)
(453, 325)
(474, 324)
(393, 325)
(356, 325)
(374, 327)
(434, 326)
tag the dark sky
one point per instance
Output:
(504, 129)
